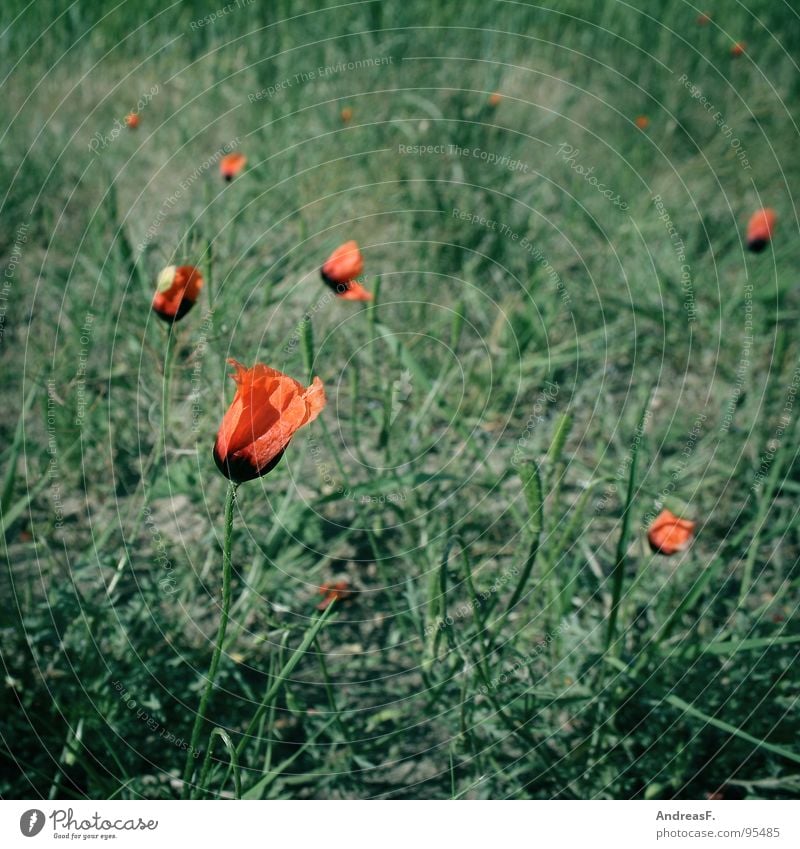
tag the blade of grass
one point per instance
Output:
(534, 497)
(11, 468)
(691, 710)
(257, 790)
(766, 503)
(307, 345)
(294, 659)
(731, 647)
(233, 764)
(230, 502)
(618, 572)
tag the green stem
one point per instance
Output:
(150, 470)
(165, 387)
(223, 625)
(210, 273)
(534, 498)
(284, 673)
(618, 572)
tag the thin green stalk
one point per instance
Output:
(165, 393)
(11, 467)
(618, 572)
(268, 719)
(355, 410)
(234, 763)
(617, 583)
(733, 730)
(295, 658)
(307, 346)
(534, 497)
(210, 272)
(150, 472)
(326, 680)
(437, 609)
(372, 315)
(765, 506)
(223, 625)
(277, 683)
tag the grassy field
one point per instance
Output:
(568, 335)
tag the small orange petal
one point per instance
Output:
(354, 292)
(232, 165)
(670, 534)
(338, 591)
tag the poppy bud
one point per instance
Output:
(642, 122)
(494, 99)
(340, 270)
(232, 165)
(759, 229)
(132, 121)
(338, 591)
(738, 48)
(177, 289)
(668, 534)
(266, 412)
(346, 115)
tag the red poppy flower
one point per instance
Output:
(759, 229)
(177, 289)
(668, 534)
(494, 99)
(703, 19)
(340, 270)
(266, 412)
(334, 592)
(642, 122)
(738, 48)
(346, 115)
(232, 165)
(132, 121)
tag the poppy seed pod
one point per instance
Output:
(232, 165)
(668, 534)
(267, 410)
(177, 289)
(759, 229)
(340, 270)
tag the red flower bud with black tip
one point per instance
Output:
(340, 270)
(760, 228)
(176, 292)
(232, 165)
